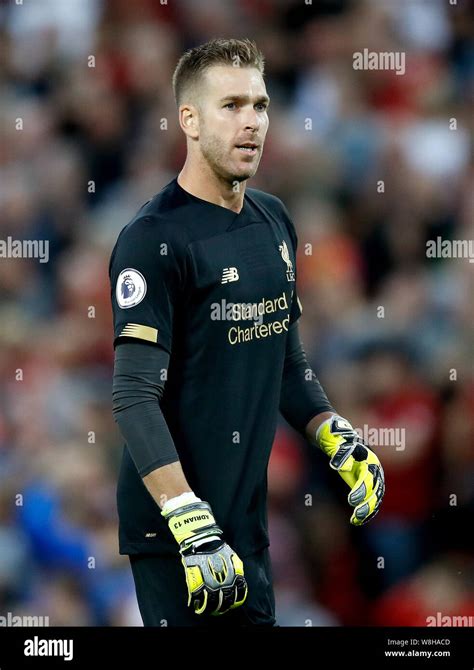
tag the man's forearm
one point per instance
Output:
(302, 398)
(166, 482)
(137, 393)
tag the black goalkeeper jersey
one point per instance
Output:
(215, 289)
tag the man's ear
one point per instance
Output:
(189, 120)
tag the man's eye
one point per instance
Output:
(261, 106)
(230, 105)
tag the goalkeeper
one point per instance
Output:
(207, 351)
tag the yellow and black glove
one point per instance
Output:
(356, 463)
(214, 572)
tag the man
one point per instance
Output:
(207, 351)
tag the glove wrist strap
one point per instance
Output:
(179, 501)
(192, 522)
(320, 429)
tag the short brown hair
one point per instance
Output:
(194, 62)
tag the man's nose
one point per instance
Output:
(251, 119)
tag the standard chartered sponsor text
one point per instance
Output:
(236, 334)
(254, 311)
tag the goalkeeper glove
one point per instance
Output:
(356, 463)
(214, 572)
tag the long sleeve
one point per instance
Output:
(302, 396)
(137, 391)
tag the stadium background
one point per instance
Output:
(407, 366)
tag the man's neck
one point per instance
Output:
(206, 185)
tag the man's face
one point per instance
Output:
(233, 105)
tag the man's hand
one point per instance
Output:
(357, 464)
(214, 572)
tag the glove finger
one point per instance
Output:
(362, 511)
(227, 599)
(200, 600)
(369, 507)
(370, 475)
(340, 459)
(241, 591)
(208, 602)
(365, 512)
(361, 522)
(226, 604)
(362, 489)
(194, 581)
(233, 596)
(379, 493)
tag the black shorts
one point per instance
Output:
(162, 594)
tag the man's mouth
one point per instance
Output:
(248, 148)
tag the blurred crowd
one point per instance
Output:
(371, 165)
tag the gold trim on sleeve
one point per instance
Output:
(140, 332)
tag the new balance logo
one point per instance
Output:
(229, 274)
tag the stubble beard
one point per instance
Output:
(214, 154)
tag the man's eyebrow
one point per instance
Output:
(245, 98)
